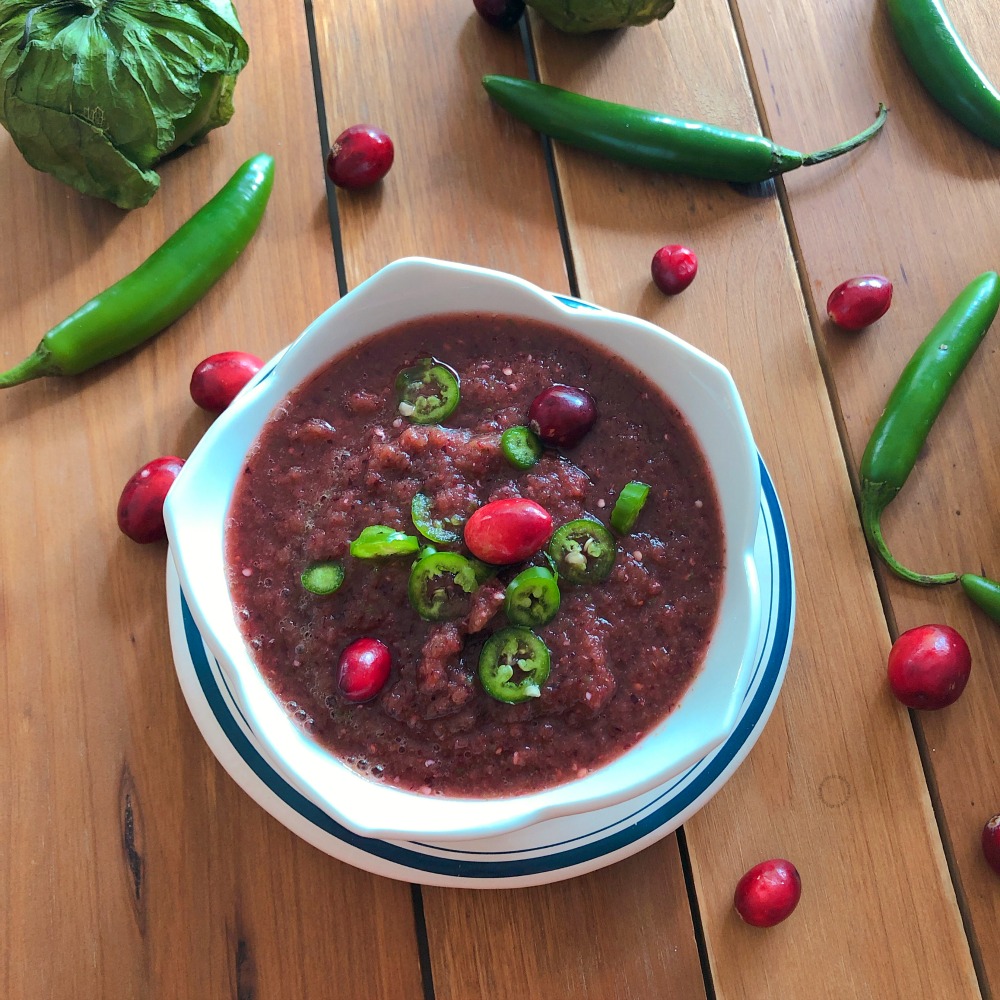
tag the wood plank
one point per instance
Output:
(835, 782)
(930, 241)
(469, 185)
(132, 865)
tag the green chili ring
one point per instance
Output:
(513, 665)
(432, 528)
(428, 391)
(629, 506)
(161, 289)
(532, 598)
(378, 541)
(440, 584)
(521, 447)
(583, 551)
(322, 578)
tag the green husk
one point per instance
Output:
(580, 16)
(97, 92)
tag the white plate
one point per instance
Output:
(549, 851)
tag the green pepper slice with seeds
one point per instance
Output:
(432, 528)
(378, 540)
(513, 665)
(322, 578)
(532, 597)
(583, 551)
(428, 391)
(521, 447)
(629, 506)
(440, 584)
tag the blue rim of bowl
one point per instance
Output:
(700, 778)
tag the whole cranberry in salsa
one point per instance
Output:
(673, 268)
(363, 669)
(768, 893)
(217, 380)
(929, 666)
(140, 507)
(561, 415)
(359, 157)
(859, 302)
(991, 843)
(508, 531)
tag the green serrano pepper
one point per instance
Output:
(913, 406)
(162, 288)
(984, 592)
(656, 141)
(938, 56)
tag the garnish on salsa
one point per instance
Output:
(513, 665)
(428, 391)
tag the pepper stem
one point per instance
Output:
(845, 147)
(870, 514)
(36, 365)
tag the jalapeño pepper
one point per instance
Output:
(432, 528)
(583, 551)
(532, 597)
(513, 665)
(440, 584)
(629, 506)
(428, 391)
(323, 578)
(984, 592)
(521, 447)
(378, 540)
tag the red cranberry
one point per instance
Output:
(500, 13)
(359, 156)
(929, 666)
(991, 843)
(858, 302)
(561, 416)
(218, 379)
(768, 893)
(140, 507)
(673, 268)
(363, 669)
(508, 531)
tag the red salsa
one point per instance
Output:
(377, 504)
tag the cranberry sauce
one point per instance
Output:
(338, 456)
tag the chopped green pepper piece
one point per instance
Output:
(532, 597)
(521, 447)
(428, 391)
(322, 577)
(628, 506)
(432, 528)
(513, 665)
(440, 584)
(377, 540)
(583, 551)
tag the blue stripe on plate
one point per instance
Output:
(460, 868)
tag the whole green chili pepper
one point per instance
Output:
(656, 141)
(162, 288)
(913, 406)
(985, 593)
(945, 66)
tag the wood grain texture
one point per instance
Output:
(835, 782)
(919, 207)
(132, 866)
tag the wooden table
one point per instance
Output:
(133, 866)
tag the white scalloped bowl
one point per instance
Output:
(198, 503)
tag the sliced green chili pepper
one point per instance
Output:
(656, 141)
(440, 584)
(162, 288)
(432, 528)
(985, 593)
(938, 56)
(521, 447)
(913, 406)
(532, 597)
(323, 577)
(513, 665)
(428, 391)
(583, 551)
(628, 506)
(377, 540)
